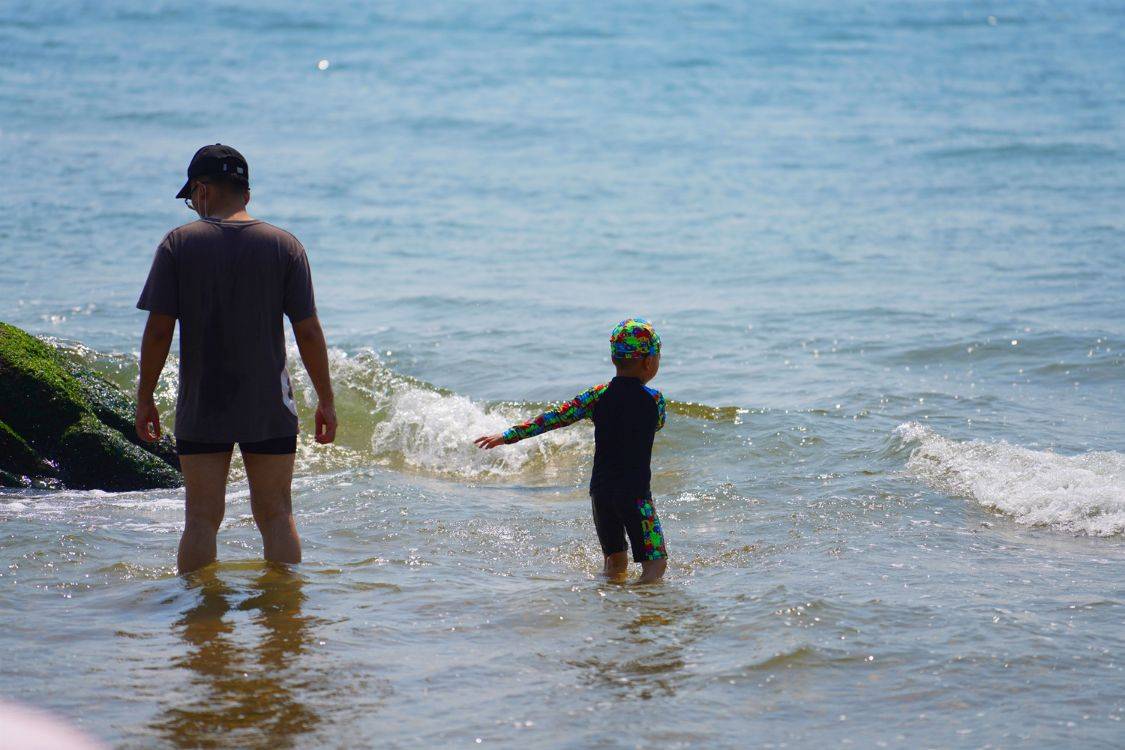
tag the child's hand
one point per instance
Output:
(489, 441)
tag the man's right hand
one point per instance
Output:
(325, 423)
(148, 421)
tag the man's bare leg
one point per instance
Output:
(616, 566)
(652, 570)
(271, 480)
(205, 481)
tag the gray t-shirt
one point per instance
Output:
(229, 282)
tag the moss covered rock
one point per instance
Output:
(17, 457)
(8, 479)
(92, 456)
(117, 411)
(58, 410)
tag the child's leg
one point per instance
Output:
(646, 537)
(616, 566)
(611, 537)
(652, 570)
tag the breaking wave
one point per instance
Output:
(1083, 494)
(399, 422)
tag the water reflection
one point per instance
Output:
(243, 692)
(646, 657)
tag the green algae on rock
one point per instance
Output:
(116, 410)
(92, 456)
(57, 410)
(16, 456)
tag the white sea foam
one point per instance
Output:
(418, 426)
(434, 432)
(160, 510)
(1084, 493)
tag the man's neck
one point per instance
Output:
(229, 213)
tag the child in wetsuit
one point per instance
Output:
(626, 415)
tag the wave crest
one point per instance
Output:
(403, 423)
(433, 432)
(1083, 493)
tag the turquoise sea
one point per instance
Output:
(882, 241)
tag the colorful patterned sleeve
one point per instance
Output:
(658, 397)
(566, 413)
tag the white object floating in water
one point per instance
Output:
(323, 65)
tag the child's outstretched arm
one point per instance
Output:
(562, 415)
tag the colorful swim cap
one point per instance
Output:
(634, 338)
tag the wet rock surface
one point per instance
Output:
(60, 422)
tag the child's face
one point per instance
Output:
(649, 368)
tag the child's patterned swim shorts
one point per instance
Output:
(616, 518)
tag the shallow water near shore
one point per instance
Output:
(882, 244)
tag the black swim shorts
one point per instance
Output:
(274, 447)
(618, 517)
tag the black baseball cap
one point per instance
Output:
(216, 161)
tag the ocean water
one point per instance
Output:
(883, 244)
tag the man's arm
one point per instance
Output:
(155, 342)
(314, 353)
(562, 415)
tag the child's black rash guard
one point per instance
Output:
(626, 416)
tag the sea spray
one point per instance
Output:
(433, 432)
(406, 423)
(1083, 493)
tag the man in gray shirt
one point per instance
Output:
(229, 278)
